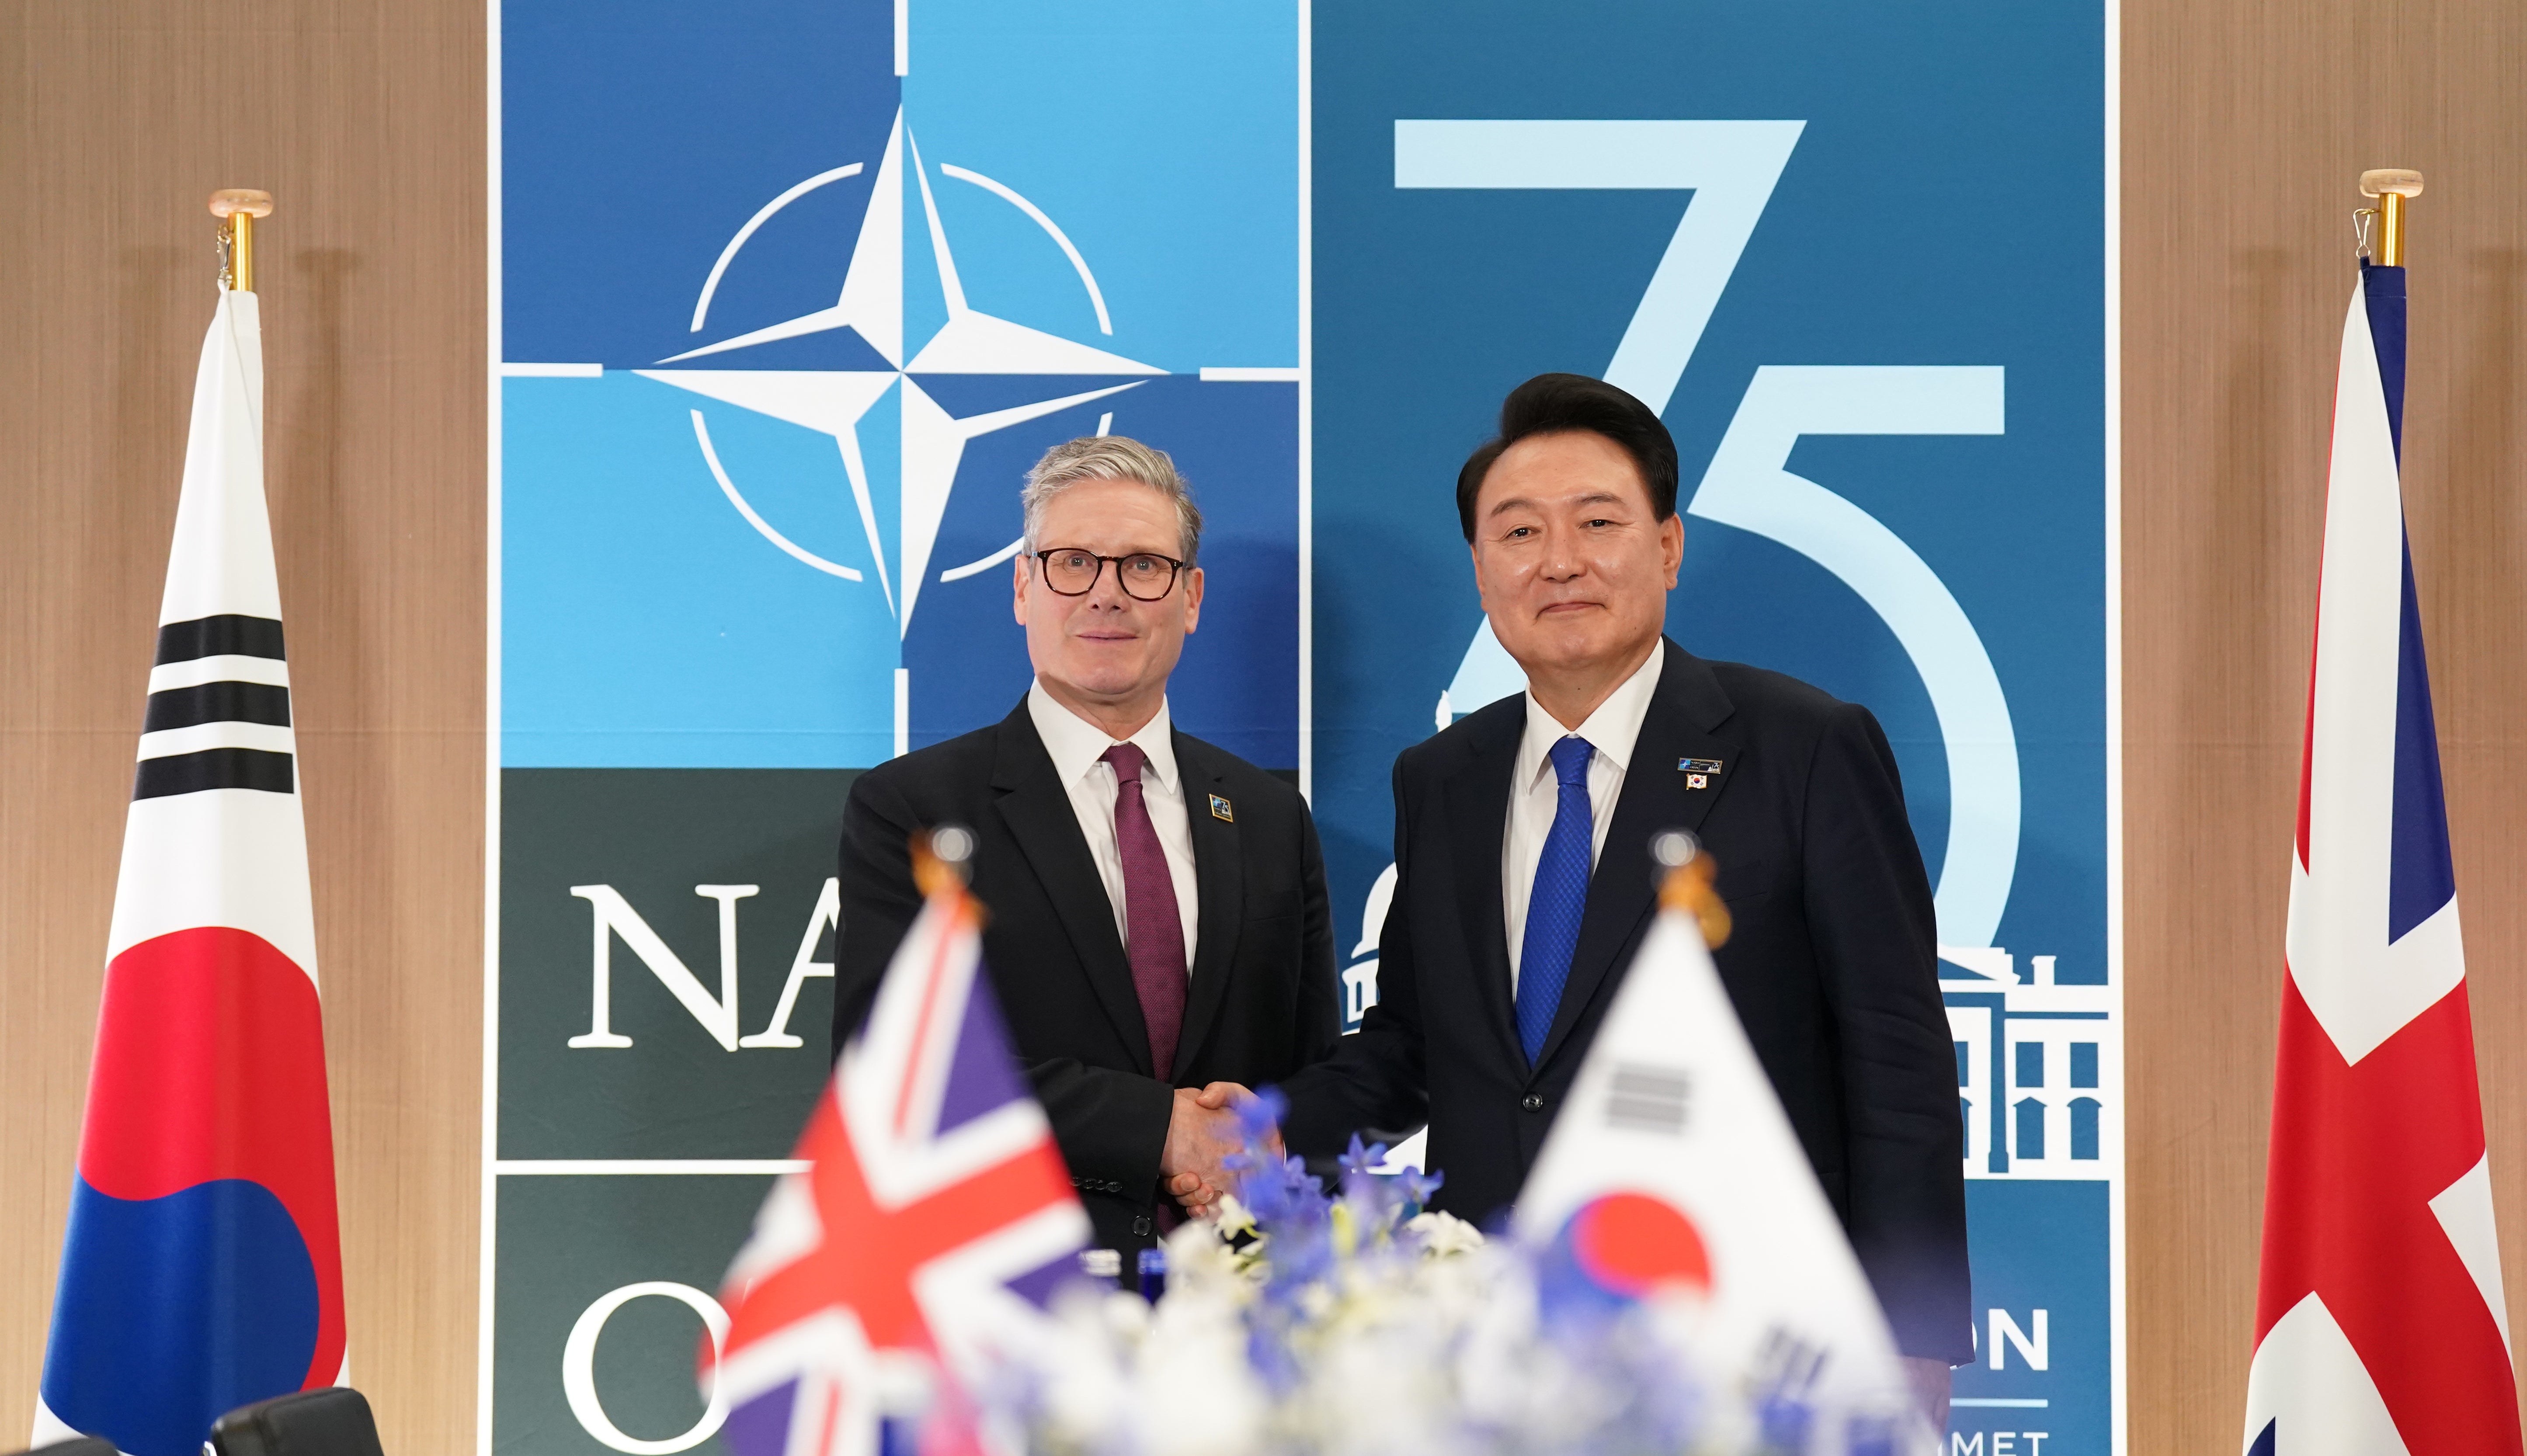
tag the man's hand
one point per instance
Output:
(1930, 1379)
(1231, 1095)
(1199, 1139)
(1204, 1122)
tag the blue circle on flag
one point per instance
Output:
(174, 1311)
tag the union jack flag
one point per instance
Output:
(934, 1218)
(2379, 1324)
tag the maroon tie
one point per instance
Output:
(1153, 936)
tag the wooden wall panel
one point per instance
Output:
(2245, 124)
(117, 120)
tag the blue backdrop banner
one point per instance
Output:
(1855, 256)
(786, 315)
(788, 294)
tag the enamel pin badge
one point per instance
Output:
(1697, 771)
(1219, 810)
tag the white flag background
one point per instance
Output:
(1671, 1106)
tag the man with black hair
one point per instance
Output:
(1524, 881)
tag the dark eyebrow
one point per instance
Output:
(1596, 498)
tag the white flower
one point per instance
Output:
(1234, 1218)
(1080, 1370)
(1201, 1263)
(1444, 1234)
(1195, 1392)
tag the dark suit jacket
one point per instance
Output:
(1833, 967)
(1261, 1001)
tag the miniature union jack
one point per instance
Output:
(2380, 1326)
(933, 1219)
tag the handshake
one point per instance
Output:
(1202, 1132)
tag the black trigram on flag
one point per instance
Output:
(219, 710)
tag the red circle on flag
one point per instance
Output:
(1631, 1244)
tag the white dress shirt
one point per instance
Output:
(1078, 748)
(1536, 795)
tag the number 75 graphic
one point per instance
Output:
(1731, 168)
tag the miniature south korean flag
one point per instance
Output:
(1672, 1172)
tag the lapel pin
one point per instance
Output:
(1221, 810)
(1698, 766)
(1697, 780)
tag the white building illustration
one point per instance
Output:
(2040, 1067)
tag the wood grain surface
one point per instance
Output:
(365, 120)
(2245, 123)
(2246, 127)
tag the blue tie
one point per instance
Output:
(1561, 893)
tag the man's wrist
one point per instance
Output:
(1177, 1098)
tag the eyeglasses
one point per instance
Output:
(1145, 575)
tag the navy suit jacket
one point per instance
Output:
(1260, 1004)
(1833, 967)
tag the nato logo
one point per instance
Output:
(781, 346)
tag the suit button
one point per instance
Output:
(1531, 1102)
(1141, 1228)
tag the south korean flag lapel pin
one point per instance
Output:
(1698, 772)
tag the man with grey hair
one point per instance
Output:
(1158, 905)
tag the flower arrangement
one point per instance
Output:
(1304, 1324)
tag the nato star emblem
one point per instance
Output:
(871, 306)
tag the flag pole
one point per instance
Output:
(236, 208)
(2391, 187)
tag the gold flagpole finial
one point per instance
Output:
(943, 859)
(236, 208)
(1685, 884)
(2391, 187)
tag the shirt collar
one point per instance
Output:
(1076, 744)
(1611, 730)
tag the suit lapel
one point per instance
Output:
(1684, 713)
(1219, 879)
(1477, 810)
(1036, 807)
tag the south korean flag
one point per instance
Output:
(202, 1265)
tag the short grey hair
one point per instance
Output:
(1110, 457)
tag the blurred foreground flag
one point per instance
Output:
(2379, 1324)
(933, 1220)
(1672, 1170)
(202, 1269)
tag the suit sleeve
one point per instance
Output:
(1110, 1125)
(1319, 1003)
(877, 899)
(1374, 1078)
(1870, 913)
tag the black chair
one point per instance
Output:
(77, 1445)
(331, 1421)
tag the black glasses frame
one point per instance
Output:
(1175, 569)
